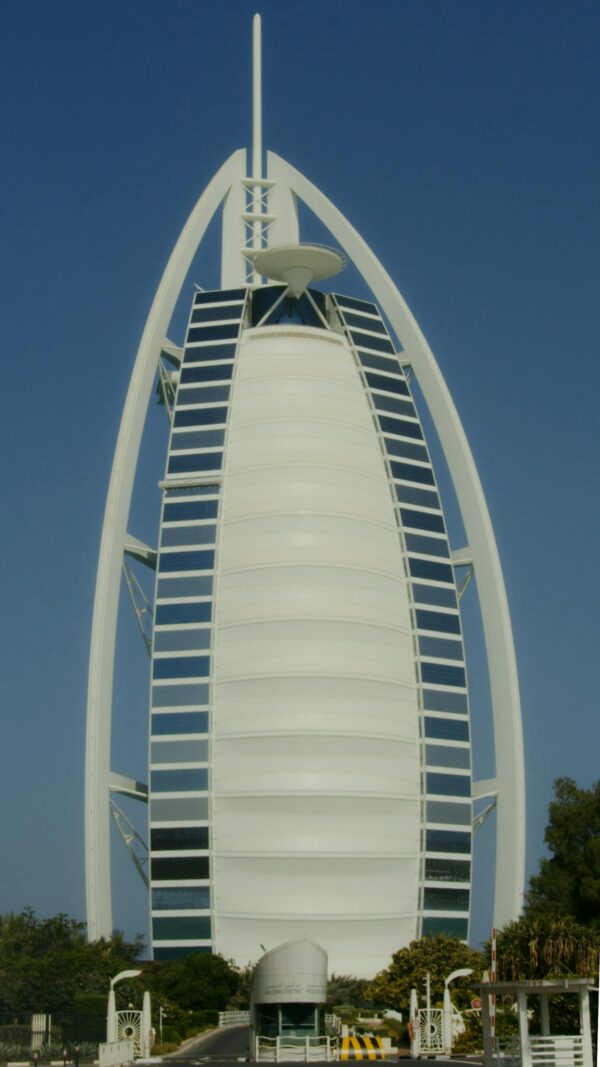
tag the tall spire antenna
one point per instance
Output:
(256, 98)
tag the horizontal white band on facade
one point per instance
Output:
(367, 794)
(262, 333)
(318, 513)
(432, 883)
(183, 942)
(455, 716)
(179, 794)
(308, 916)
(462, 856)
(179, 853)
(177, 824)
(190, 483)
(373, 624)
(179, 913)
(359, 735)
(180, 883)
(179, 766)
(326, 853)
(443, 913)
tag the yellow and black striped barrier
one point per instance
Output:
(361, 1047)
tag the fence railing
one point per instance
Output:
(318, 1048)
(556, 1050)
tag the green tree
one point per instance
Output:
(201, 980)
(437, 955)
(347, 989)
(540, 946)
(568, 882)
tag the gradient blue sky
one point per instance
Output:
(461, 138)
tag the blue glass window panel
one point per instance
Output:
(384, 363)
(179, 751)
(448, 785)
(427, 568)
(404, 428)
(179, 722)
(181, 442)
(181, 640)
(446, 899)
(428, 546)
(179, 838)
(179, 809)
(213, 333)
(422, 520)
(216, 296)
(440, 648)
(204, 354)
(186, 561)
(447, 729)
(447, 756)
(213, 314)
(364, 324)
(357, 305)
(448, 841)
(172, 953)
(188, 535)
(365, 340)
(181, 667)
(433, 594)
(437, 620)
(172, 614)
(204, 417)
(175, 868)
(174, 492)
(211, 372)
(439, 700)
(188, 510)
(445, 870)
(409, 473)
(213, 394)
(432, 926)
(185, 463)
(188, 927)
(442, 674)
(409, 494)
(390, 385)
(396, 405)
(398, 426)
(186, 780)
(186, 586)
(179, 696)
(406, 449)
(439, 811)
(186, 897)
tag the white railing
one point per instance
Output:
(234, 1018)
(315, 1049)
(557, 1050)
(115, 1053)
(334, 1022)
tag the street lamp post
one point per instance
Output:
(111, 1015)
(462, 972)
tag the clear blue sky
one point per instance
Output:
(461, 138)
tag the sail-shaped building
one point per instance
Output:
(310, 758)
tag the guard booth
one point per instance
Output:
(287, 1007)
(546, 1049)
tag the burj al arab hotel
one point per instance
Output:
(310, 757)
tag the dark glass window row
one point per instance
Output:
(442, 674)
(178, 838)
(422, 520)
(446, 729)
(356, 305)
(217, 296)
(432, 926)
(402, 428)
(384, 363)
(187, 511)
(206, 354)
(172, 953)
(448, 841)
(176, 536)
(433, 594)
(180, 898)
(447, 756)
(190, 463)
(446, 899)
(409, 494)
(449, 785)
(181, 442)
(365, 340)
(213, 333)
(364, 324)
(203, 560)
(205, 417)
(179, 867)
(407, 472)
(215, 394)
(180, 640)
(175, 492)
(180, 722)
(214, 314)
(427, 568)
(181, 667)
(200, 585)
(448, 813)
(444, 870)
(437, 620)
(187, 927)
(174, 614)
(179, 696)
(440, 648)
(396, 405)
(389, 385)
(439, 700)
(188, 780)
(427, 546)
(210, 372)
(405, 449)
